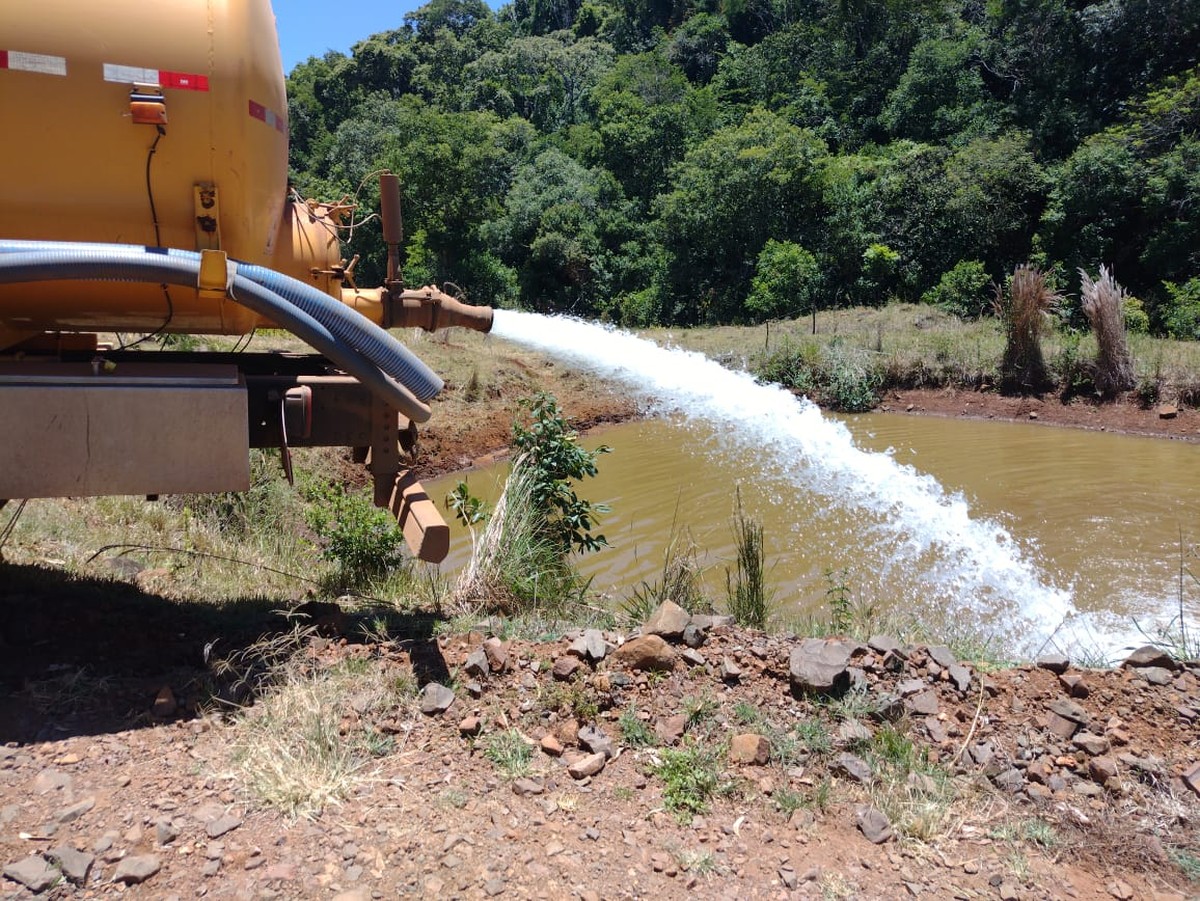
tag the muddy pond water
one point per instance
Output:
(1097, 515)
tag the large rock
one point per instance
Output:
(587, 766)
(820, 665)
(436, 698)
(646, 652)
(75, 865)
(1149, 655)
(32, 872)
(749, 749)
(668, 620)
(874, 825)
(137, 869)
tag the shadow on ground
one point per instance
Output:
(86, 656)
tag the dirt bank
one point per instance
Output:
(1124, 416)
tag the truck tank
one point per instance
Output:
(161, 124)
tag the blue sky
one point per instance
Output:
(309, 28)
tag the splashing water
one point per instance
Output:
(967, 567)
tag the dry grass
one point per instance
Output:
(1104, 304)
(308, 740)
(1024, 308)
(923, 347)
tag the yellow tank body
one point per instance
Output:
(80, 89)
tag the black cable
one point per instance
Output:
(157, 243)
(149, 188)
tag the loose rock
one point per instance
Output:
(874, 825)
(565, 667)
(222, 825)
(496, 652)
(668, 620)
(646, 652)
(164, 704)
(1150, 655)
(818, 665)
(436, 698)
(477, 664)
(854, 767)
(137, 869)
(75, 865)
(594, 740)
(750, 749)
(32, 872)
(587, 766)
(1055, 663)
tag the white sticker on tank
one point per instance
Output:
(33, 62)
(130, 74)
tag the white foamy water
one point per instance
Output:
(969, 568)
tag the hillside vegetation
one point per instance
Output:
(700, 163)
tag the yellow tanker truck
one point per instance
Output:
(143, 188)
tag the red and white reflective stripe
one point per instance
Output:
(272, 118)
(41, 63)
(184, 81)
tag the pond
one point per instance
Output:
(1098, 517)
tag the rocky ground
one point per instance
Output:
(689, 757)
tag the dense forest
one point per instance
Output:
(704, 161)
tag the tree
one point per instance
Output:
(786, 281)
(734, 191)
(644, 121)
(941, 95)
(560, 230)
(1093, 211)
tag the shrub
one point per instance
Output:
(640, 308)
(961, 291)
(1137, 320)
(549, 450)
(509, 752)
(839, 375)
(877, 279)
(680, 582)
(1104, 305)
(363, 540)
(1181, 317)
(852, 379)
(691, 776)
(1074, 375)
(793, 365)
(515, 564)
(522, 558)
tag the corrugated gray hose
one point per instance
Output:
(353, 342)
